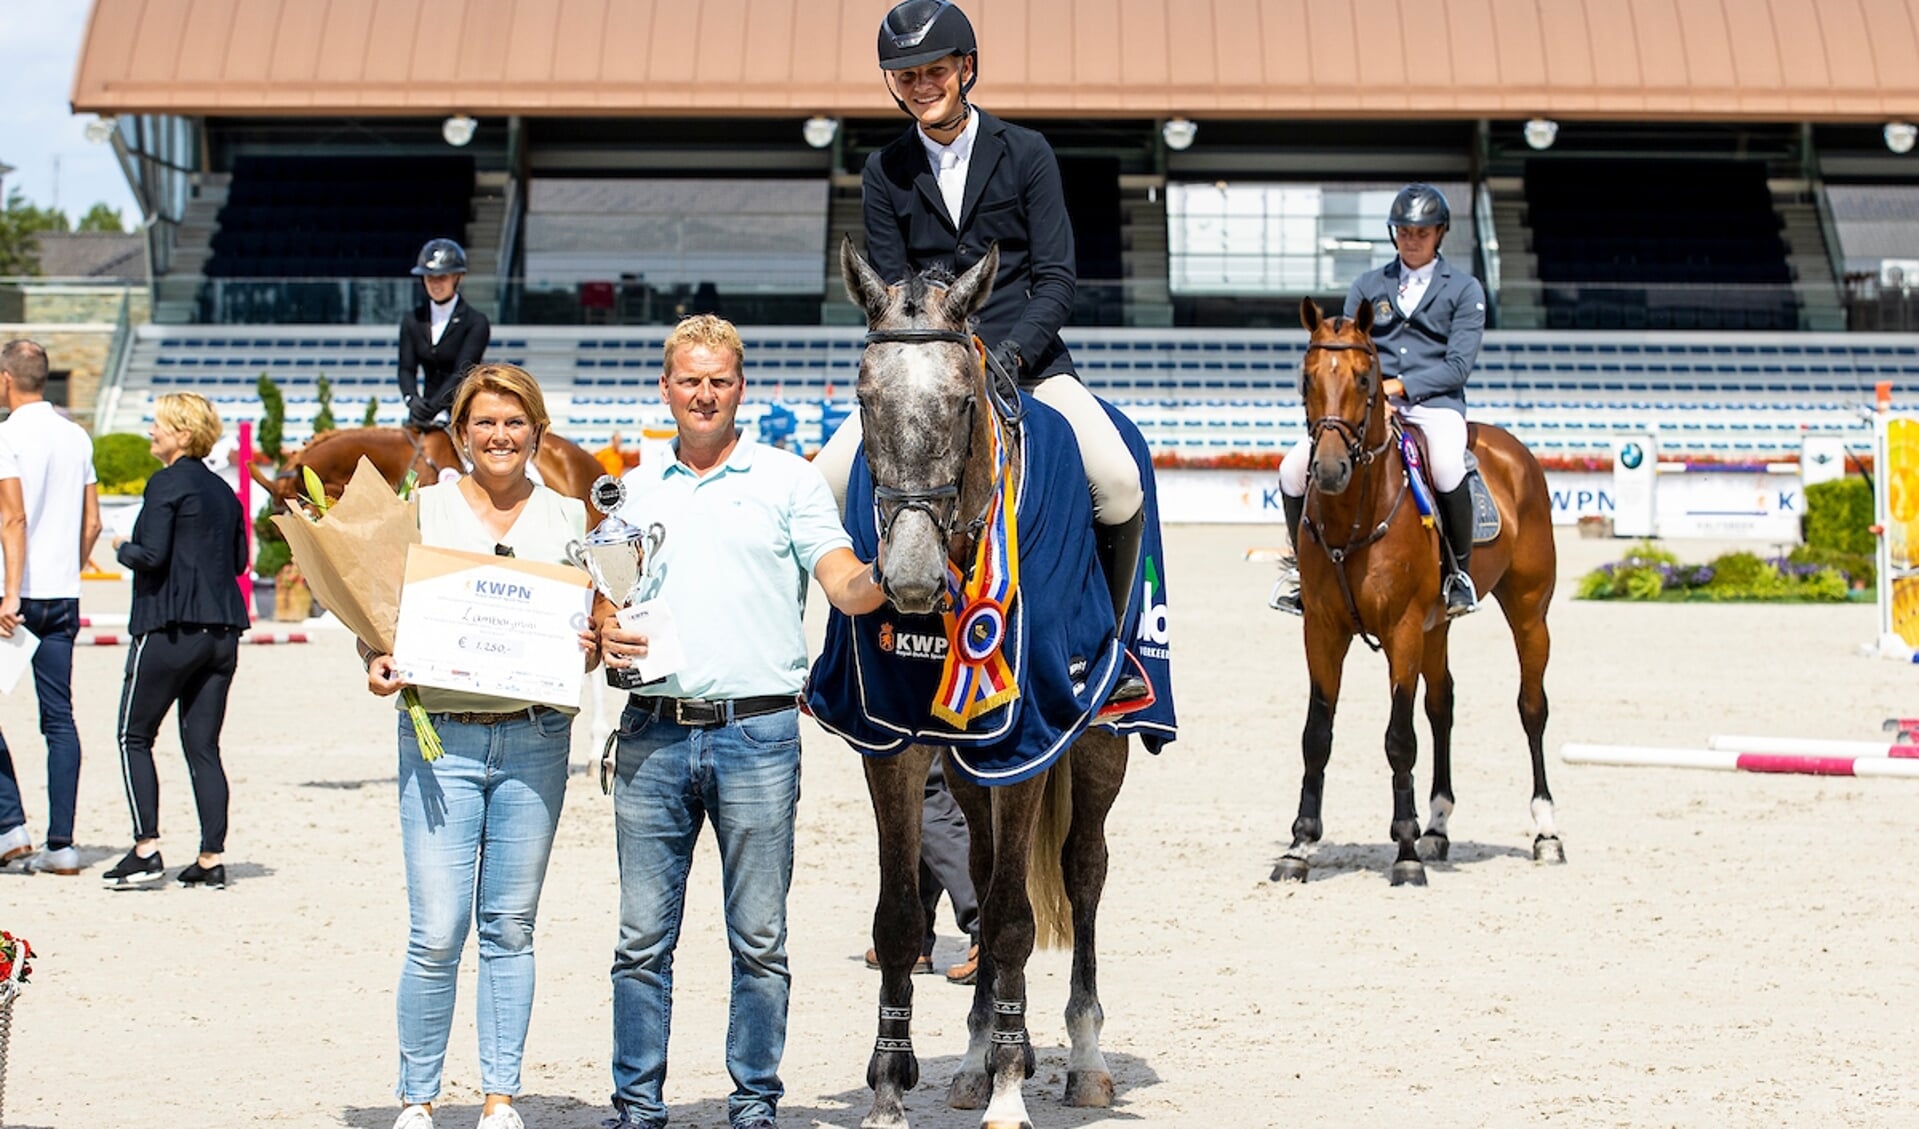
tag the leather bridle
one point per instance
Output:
(940, 504)
(1354, 437)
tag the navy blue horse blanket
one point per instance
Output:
(878, 674)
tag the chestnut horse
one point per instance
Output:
(394, 451)
(1370, 567)
(928, 413)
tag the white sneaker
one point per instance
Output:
(414, 1117)
(65, 860)
(14, 844)
(505, 1117)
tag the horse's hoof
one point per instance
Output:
(1547, 848)
(1089, 1089)
(1434, 847)
(1409, 872)
(970, 1090)
(1291, 870)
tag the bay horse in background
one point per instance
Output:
(332, 455)
(929, 411)
(1369, 567)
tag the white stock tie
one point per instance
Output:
(952, 183)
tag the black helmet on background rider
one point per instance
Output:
(918, 32)
(1419, 205)
(440, 256)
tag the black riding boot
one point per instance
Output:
(1119, 547)
(1456, 511)
(1286, 591)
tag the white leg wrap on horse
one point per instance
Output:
(1442, 814)
(1543, 819)
(1008, 1107)
(1084, 1054)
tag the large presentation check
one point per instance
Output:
(492, 625)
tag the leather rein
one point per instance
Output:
(1363, 458)
(940, 504)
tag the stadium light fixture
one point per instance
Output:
(1178, 133)
(1900, 136)
(1541, 133)
(820, 132)
(100, 129)
(458, 130)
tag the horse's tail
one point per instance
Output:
(1045, 877)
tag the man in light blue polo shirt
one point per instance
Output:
(746, 524)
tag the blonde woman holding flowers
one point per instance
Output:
(477, 824)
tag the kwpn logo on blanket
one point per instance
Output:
(912, 644)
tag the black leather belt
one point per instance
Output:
(699, 713)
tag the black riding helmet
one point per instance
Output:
(441, 256)
(1419, 205)
(917, 32)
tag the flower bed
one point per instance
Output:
(1651, 573)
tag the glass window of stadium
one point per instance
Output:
(1236, 240)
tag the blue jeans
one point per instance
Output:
(55, 622)
(477, 828)
(670, 779)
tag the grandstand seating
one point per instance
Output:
(1688, 245)
(1733, 397)
(337, 217)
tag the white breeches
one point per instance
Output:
(1110, 470)
(1445, 449)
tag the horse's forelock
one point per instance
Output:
(919, 297)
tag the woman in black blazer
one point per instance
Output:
(187, 549)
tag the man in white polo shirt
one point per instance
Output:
(55, 458)
(15, 840)
(719, 740)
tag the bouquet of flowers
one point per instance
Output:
(16, 962)
(353, 557)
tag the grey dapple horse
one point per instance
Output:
(927, 410)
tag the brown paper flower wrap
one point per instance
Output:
(353, 557)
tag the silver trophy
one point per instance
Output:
(618, 557)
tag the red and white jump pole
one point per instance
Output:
(1798, 746)
(1733, 760)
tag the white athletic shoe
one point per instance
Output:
(414, 1117)
(505, 1117)
(17, 843)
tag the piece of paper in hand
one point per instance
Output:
(16, 655)
(664, 654)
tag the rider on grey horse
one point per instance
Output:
(953, 185)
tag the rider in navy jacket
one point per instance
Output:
(1428, 318)
(1017, 202)
(1431, 351)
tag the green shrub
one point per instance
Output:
(1861, 568)
(271, 551)
(323, 420)
(273, 419)
(123, 463)
(1839, 516)
(372, 412)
